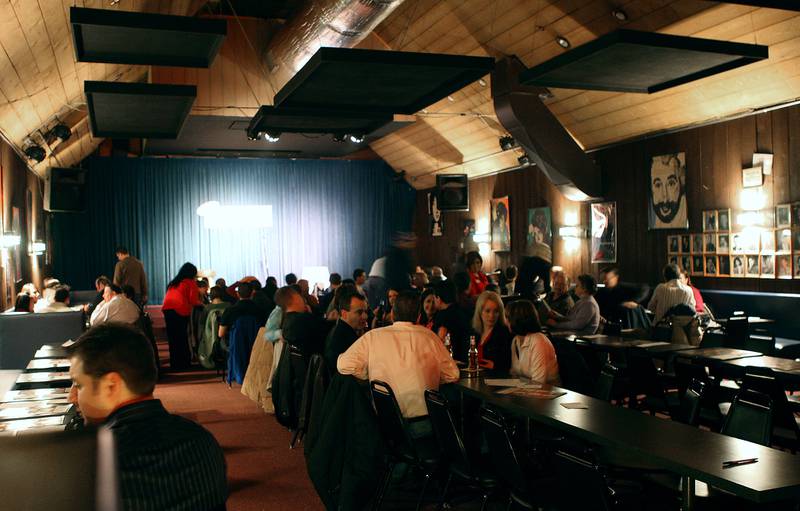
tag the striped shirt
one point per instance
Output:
(669, 294)
(166, 462)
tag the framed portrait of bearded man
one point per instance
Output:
(668, 208)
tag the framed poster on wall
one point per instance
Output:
(604, 232)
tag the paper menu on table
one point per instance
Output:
(537, 393)
(511, 382)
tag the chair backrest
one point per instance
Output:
(750, 417)
(761, 343)
(689, 412)
(643, 373)
(686, 371)
(444, 427)
(604, 388)
(573, 369)
(737, 331)
(762, 379)
(582, 485)
(314, 364)
(390, 420)
(504, 459)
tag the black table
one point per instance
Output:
(50, 351)
(784, 368)
(720, 354)
(689, 452)
(43, 380)
(48, 365)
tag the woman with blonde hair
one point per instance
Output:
(532, 353)
(493, 338)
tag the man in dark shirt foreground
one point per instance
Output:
(244, 307)
(165, 462)
(352, 323)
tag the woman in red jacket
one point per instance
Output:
(477, 279)
(182, 296)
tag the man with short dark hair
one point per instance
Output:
(352, 322)
(244, 307)
(60, 301)
(130, 271)
(360, 277)
(408, 357)
(115, 307)
(165, 462)
(301, 328)
(326, 297)
(291, 279)
(451, 319)
(584, 317)
(670, 293)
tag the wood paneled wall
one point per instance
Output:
(715, 156)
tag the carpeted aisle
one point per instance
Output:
(263, 473)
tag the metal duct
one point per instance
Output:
(537, 130)
(329, 23)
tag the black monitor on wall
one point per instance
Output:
(453, 192)
(65, 190)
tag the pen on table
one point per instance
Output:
(736, 463)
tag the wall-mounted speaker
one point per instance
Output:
(453, 191)
(65, 190)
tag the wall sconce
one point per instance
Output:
(481, 238)
(572, 235)
(9, 240)
(37, 248)
(752, 198)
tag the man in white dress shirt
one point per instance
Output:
(408, 357)
(59, 302)
(115, 307)
(670, 293)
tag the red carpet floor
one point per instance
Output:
(263, 473)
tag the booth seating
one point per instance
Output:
(21, 334)
(81, 296)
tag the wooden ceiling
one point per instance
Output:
(39, 78)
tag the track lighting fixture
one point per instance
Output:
(563, 42)
(507, 143)
(35, 153)
(356, 138)
(524, 159)
(338, 137)
(272, 136)
(61, 132)
(620, 15)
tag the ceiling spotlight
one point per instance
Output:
(524, 159)
(272, 136)
(338, 137)
(620, 14)
(507, 143)
(482, 82)
(356, 139)
(563, 42)
(61, 131)
(450, 99)
(35, 152)
(546, 94)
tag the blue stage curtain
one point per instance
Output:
(339, 214)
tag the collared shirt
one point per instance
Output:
(533, 356)
(669, 294)
(583, 318)
(408, 357)
(57, 307)
(166, 462)
(119, 309)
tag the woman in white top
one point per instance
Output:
(532, 353)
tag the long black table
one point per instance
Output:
(689, 452)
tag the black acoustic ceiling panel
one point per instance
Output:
(645, 62)
(384, 82)
(303, 120)
(138, 110)
(120, 37)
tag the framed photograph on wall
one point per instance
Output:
(697, 243)
(668, 209)
(697, 265)
(752, 177)
(604, 232)
(672, 259)
(737, 265)
(783, 215)
(686, 263)
(796, 214)
(685, 244)
(710, 243)
(437, 225)
(783, 265)
(723, 243)
(767, 266)
(724, 220)
(796, 266)
(768, 242)
(796, 240)
(711, 266)
(724, 266)
(540, 227)
(673, 243)
(501, 225)
(784, 241)
(751, 265)
(710, 221)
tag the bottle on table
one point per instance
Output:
(473, 354)
(448, 345)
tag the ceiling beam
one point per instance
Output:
(772, 4)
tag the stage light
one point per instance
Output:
(253, 136)
(234, 217)
(37, 248)
(272, 136)
(35, 152)
(61, 132)
(507, 143)
(9, 239)
(524, 159)
(338, 137)
(356, 138)
(563, 42)
(546, 94)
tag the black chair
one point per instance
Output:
(459, 464)
(750, 417)
(737, 332)
(583, 485)
(573, 369)
(604, 388)
(299, 371)
(646, 379)
(401, 447)
(691, 401)
(761, 343)
(785, 432)
(313, 371)
(505, 462)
